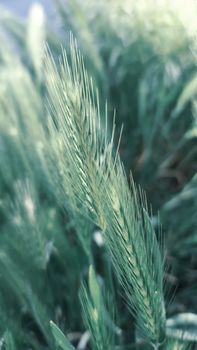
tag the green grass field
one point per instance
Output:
(98, 176)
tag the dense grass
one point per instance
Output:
(81, 245)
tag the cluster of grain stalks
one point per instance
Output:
(89, 123)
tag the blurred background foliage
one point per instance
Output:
(142, 56)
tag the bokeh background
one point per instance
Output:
(21, 8)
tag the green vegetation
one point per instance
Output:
(98, 162)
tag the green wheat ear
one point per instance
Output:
(97, 180)
(95, 314)
(94, 287)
